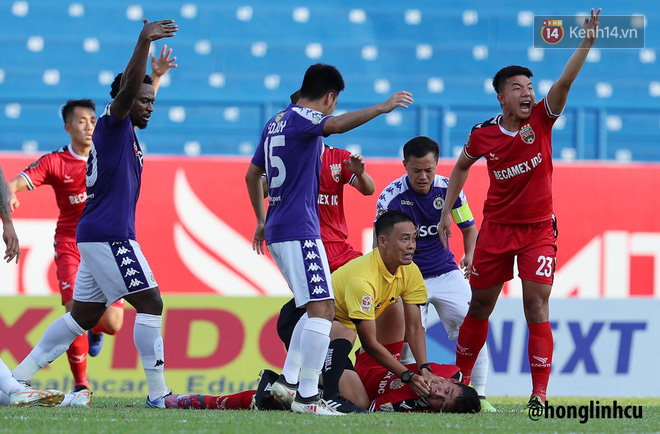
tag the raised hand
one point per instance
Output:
(164, 63)
(399, 99)
(590, 26)
(158, 29)
(355, 164)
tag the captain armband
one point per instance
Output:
(462, 214)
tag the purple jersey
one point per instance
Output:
(114, 171)
(290, 152)
(425, 209)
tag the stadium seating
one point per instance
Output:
(240, 61)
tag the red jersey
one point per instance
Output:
(519, 167)
(334, 175)
(387, 391)
(65, 171)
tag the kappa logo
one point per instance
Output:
(126, 261)
(135, 283)
(131, 272)
(316, 279)
(311, 255)
(314, 267)
(122, 251)
(335, 169)
(159, 362)
(318, 290)
(309, 244)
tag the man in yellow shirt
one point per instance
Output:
(364, 288)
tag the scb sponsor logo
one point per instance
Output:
(424, 231)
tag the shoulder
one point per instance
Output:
(440, 181)
(396, 188)
(307, 114)
(482, 126)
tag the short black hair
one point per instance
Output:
(295, 96)
(510, 71)
(386, 221)
(67, 109)
(419, 147)
(320, 79)
(116, 85)
(466, 402)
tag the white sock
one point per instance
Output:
(406, 355)
(54, 342)
(293, 361)
(480, 371)
(315, 339)
(8, 383)
(149, 343)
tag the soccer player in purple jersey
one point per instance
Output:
(421, 194)
(289, 152)
(112, 265)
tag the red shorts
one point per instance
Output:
(339, 254)
(534, 244)
(67, 259)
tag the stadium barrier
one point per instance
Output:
(217, 345)
(195, 225)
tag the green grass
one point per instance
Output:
(126, 415)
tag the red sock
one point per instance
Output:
(539, 350)
(77, 354)
(471, 339)
(237, 401)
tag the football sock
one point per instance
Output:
(315, 339)
(407, 357)
(237, 401)
(539, 350)
(77, 354)
(293, 361)
(149, 343)
(480, 371)
(471, 339)
(333, 367)
(55, 341)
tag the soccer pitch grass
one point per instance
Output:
(122, 415)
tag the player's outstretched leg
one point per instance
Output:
(36, 398)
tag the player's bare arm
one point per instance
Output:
(348, 121)
(459, 175)
(15, 185)
(415, 335)
(12, 248)
(366, 330)
(137, 67)
(363, 182)
(253, 180)
(558, 93)
(469, 242)
(161, 66)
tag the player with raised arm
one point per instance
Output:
(64, 170)
(112, 265)
(289, 152)
(518, 213)
(421, 194)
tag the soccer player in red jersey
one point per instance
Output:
(518, 213)
(65, 170)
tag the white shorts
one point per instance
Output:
(304, 265)
(450, 293)
(109, 271)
